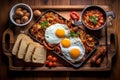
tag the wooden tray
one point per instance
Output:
(106, 36)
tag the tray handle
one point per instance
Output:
(113, 46)
(7, 41)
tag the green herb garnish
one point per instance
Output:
(77, 34)
(93, 19)
(73, 34)
(43, 24)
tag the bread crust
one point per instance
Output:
(39, 55)
(28, 50)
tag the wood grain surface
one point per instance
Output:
(5, 74)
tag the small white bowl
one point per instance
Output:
(22, 5)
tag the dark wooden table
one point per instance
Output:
(5, 74)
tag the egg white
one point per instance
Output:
(50, 35)
(75, 43)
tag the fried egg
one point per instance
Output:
(55, 33)
(72, 48)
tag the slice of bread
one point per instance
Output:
(23, 47)
(39, 55)
(17, 43)
(30, 51)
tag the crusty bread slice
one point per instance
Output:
(17, 43)
(39, 55)
(23, 47)
(30, 51)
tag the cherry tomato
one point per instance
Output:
(50, 64)
(54, 59)
(49, 57)
(54, 64)
(47, 62)
(74, 15)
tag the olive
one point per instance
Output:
(24, 19)
(37, 13)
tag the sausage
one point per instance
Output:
(99, 55)
(93, 59)
(99, 60)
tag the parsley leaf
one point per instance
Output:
(77, 34)
(43, 24)
(93, 19)
(73, 34)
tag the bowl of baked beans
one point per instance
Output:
(95, 17)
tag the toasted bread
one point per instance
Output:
(17, 43)
(39, 55)
(30, 51)
(23, 47)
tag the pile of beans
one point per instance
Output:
(93, 19)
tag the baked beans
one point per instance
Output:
(93, 19)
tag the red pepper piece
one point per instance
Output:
(74, 15)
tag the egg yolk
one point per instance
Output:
(60, 33)
(74, 53)
(66, 42)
